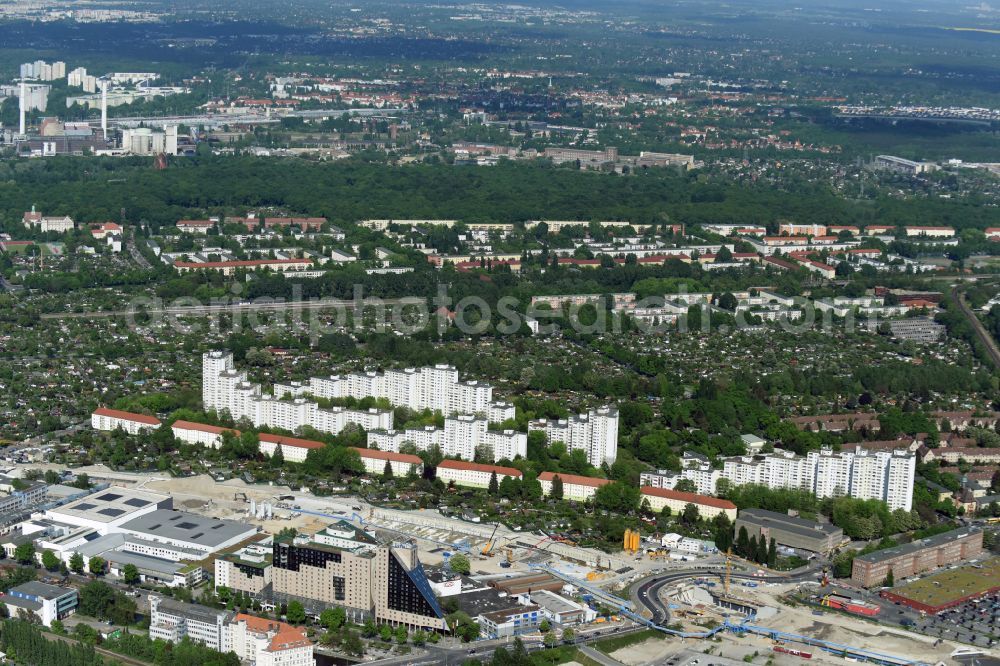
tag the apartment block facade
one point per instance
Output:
(882, 475)
(871, 570)
(595, 433)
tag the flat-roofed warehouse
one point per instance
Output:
(106, 510)
(790, 531)
(189, 530)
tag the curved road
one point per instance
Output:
(647, 594)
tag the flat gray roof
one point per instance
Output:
(914, 546)
(144, 563)
(192, 611)
(551, 601)
(19, 602)
(801, 526)
(110, 505)
(190, 527)
(43, 590)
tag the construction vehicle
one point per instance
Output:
(508, 558)
(488, 548)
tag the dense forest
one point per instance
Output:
(93, 190)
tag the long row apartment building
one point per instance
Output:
(860, 473)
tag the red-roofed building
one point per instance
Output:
(293, 449)
(401, 463)
(473, 475)
(880, 230)
(826, 270)
(230, 267)
(576, 488)
(993, 233)
(677, 500)
(101, 231)
(200, 433)
(854, 231)
(132, 423)
(780, 264)
(265, 642)
(303, 223)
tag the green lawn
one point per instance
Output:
(954, 584)
(17, 249)
(609, 645)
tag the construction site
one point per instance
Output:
(682, 591)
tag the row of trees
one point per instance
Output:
(24, 643)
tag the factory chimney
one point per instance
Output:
(23, 106)
(104, 109)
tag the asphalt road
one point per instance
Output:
(647, 594)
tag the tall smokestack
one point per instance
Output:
(23, 105)
(104, 110)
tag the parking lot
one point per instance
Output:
(976, 622)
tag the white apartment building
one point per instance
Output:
(473, 475)
(694, 467)
(930, 232)
(400, 463)
(226, 389)
(883, 475)
(437, 388)
(190, 432)
(595, 432)
(575, 488)
(293, 449)
(264, 642)
(461, 437)
(112, 419)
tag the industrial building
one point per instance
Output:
(790, 531)
(124, 526)
(47, 602)
(920, 556)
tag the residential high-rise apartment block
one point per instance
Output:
(882, 475)
(226, 389)
(437, 388)
(468, 406)
(694, 467)
(595, 433)
(462, 436)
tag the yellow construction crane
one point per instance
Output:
(488, 548)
